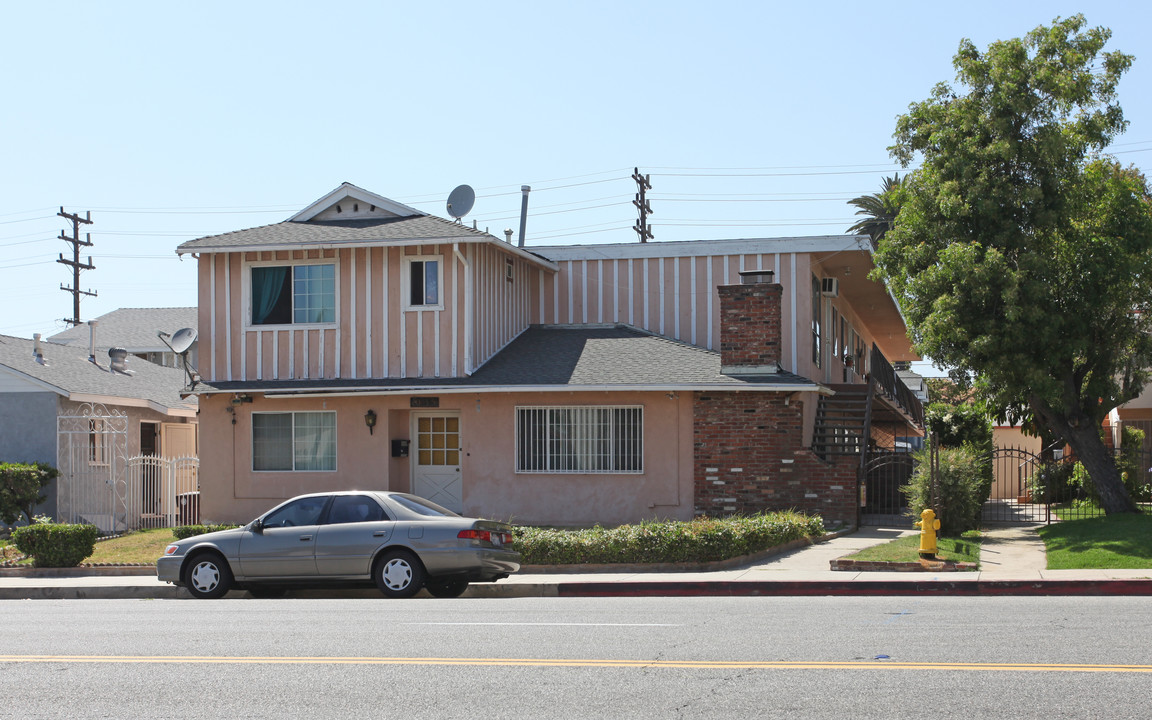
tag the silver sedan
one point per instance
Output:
(401, 542)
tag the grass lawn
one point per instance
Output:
(142, 546)
(1116, 542)
(907, 549)
(1069, 511)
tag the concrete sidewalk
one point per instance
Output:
(1012, 563)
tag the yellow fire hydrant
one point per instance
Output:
(928, 525)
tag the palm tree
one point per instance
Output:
(880, 210)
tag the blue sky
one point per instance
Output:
(173, 121)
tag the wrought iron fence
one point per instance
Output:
(1027, 487)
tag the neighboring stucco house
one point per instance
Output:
(73, 410)
(136, 330)
(365, 344)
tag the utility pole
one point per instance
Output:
(75, 263)
(643, 184)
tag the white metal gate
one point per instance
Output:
(162, 492)
(99, 485)
(92, 442)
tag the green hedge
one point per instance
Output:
(960, 489)
(55, 545)
(700, 540)
(187, 531)
(20, 486)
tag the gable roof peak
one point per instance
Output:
(317, 211)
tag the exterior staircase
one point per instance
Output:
(842, 421)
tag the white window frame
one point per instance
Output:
(587, 440)
(99, 452)
(294, 413)
(246, 293)
(406, 282)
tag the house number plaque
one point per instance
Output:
(424, 402)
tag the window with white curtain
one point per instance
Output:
(580, 439)
(294, 441)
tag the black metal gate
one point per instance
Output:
(1017, 495)
(883, 474)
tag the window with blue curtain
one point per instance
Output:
(285, 294)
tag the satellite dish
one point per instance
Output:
(183, 339)
(461, 200)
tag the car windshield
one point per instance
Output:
(420, 506)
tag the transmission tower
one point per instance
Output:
(75, 263)
(643, 184)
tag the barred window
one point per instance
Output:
(580, 439)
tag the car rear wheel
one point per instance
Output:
(398, 574)
(446, 588)
(208, 577)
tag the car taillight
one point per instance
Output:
(475, 535)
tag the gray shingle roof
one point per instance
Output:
(133, 329)
(572, 358)
(69, 371)
(363, 232)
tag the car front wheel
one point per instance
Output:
(398, 574)
(208, 577)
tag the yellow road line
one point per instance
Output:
(589, 663)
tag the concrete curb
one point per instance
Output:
(80, 571)
(734, 588)
(858, 588)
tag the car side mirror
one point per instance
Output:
(257, 527)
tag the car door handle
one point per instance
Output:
(305, 538)
(380, 533)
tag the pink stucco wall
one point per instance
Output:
(232, 492)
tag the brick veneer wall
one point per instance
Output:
(749, 325)
(748, 457)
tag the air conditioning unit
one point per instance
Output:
(830, 287)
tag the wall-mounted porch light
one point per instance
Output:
(370, 420)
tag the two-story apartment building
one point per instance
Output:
(365, 344)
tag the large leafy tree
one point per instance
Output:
(1019, 257)
(879, 210)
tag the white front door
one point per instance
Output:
(436, 459)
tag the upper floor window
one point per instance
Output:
(423, 281)
(286, 294)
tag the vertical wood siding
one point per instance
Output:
(672, 296)
(373, 336)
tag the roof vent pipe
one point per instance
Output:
(508, 235)
(37, 350)
(524, 211)
(92, 341)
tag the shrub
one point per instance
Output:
(959, 489)
(20, 486)
(1052, 483)
(56, 545)
(700, 540)
(187, 531)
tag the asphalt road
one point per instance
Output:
(900, 657)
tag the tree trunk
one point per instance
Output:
(1090, 450)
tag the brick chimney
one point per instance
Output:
(750, 325)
